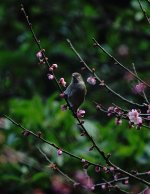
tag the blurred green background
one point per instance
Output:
(31, 99)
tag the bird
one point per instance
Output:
(76, 91)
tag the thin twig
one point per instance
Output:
(143, 192)
(118, 63)
(74, 156)
(122, 116)
(110, 183)
(144, 11)
(144, 95)
(98, 78)
(56, 167)
(49, 143)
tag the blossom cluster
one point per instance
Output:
(135, 118)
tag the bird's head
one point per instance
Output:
(76, 77)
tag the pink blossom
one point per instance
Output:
(117, 110)
(97, 169)
(39, 55)
(59, 152)
(146, 191)
(80, 113)
(50, 69)
(91, 80)
(50, 76)
(134, 117)
(64, 107)
(105, 168)
(92, 188)
(133, 114)
(148, 112)
(111, 169)
(62, 82)
(54, 66)
(110, 110)
(103, 186)
(148, 172)
(126, 182)
(139, 88)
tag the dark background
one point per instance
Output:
(31, 99)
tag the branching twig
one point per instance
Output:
(144, 95)
(122, 115)
(110, 184)
(49, 143)
(99, 80)
(56, 147)
(118, 63)
(56, 168)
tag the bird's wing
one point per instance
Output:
(68, 91)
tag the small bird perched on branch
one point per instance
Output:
(76, 91)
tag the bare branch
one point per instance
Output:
(98, 78)
(118, 63)
(144, 12)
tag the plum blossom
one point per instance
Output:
(80, 113)
(110, 110)
(93, 188)
(91, 80)
(97, 169)
(103, 186)
(39, 54)
(134, 117)
(59, 152)
(105, 168)
(62, 82)
(111, 169)
(50, 76)
(126, 182)
(53, 67)
(139, 88)
(148, 172)
(148, 112)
